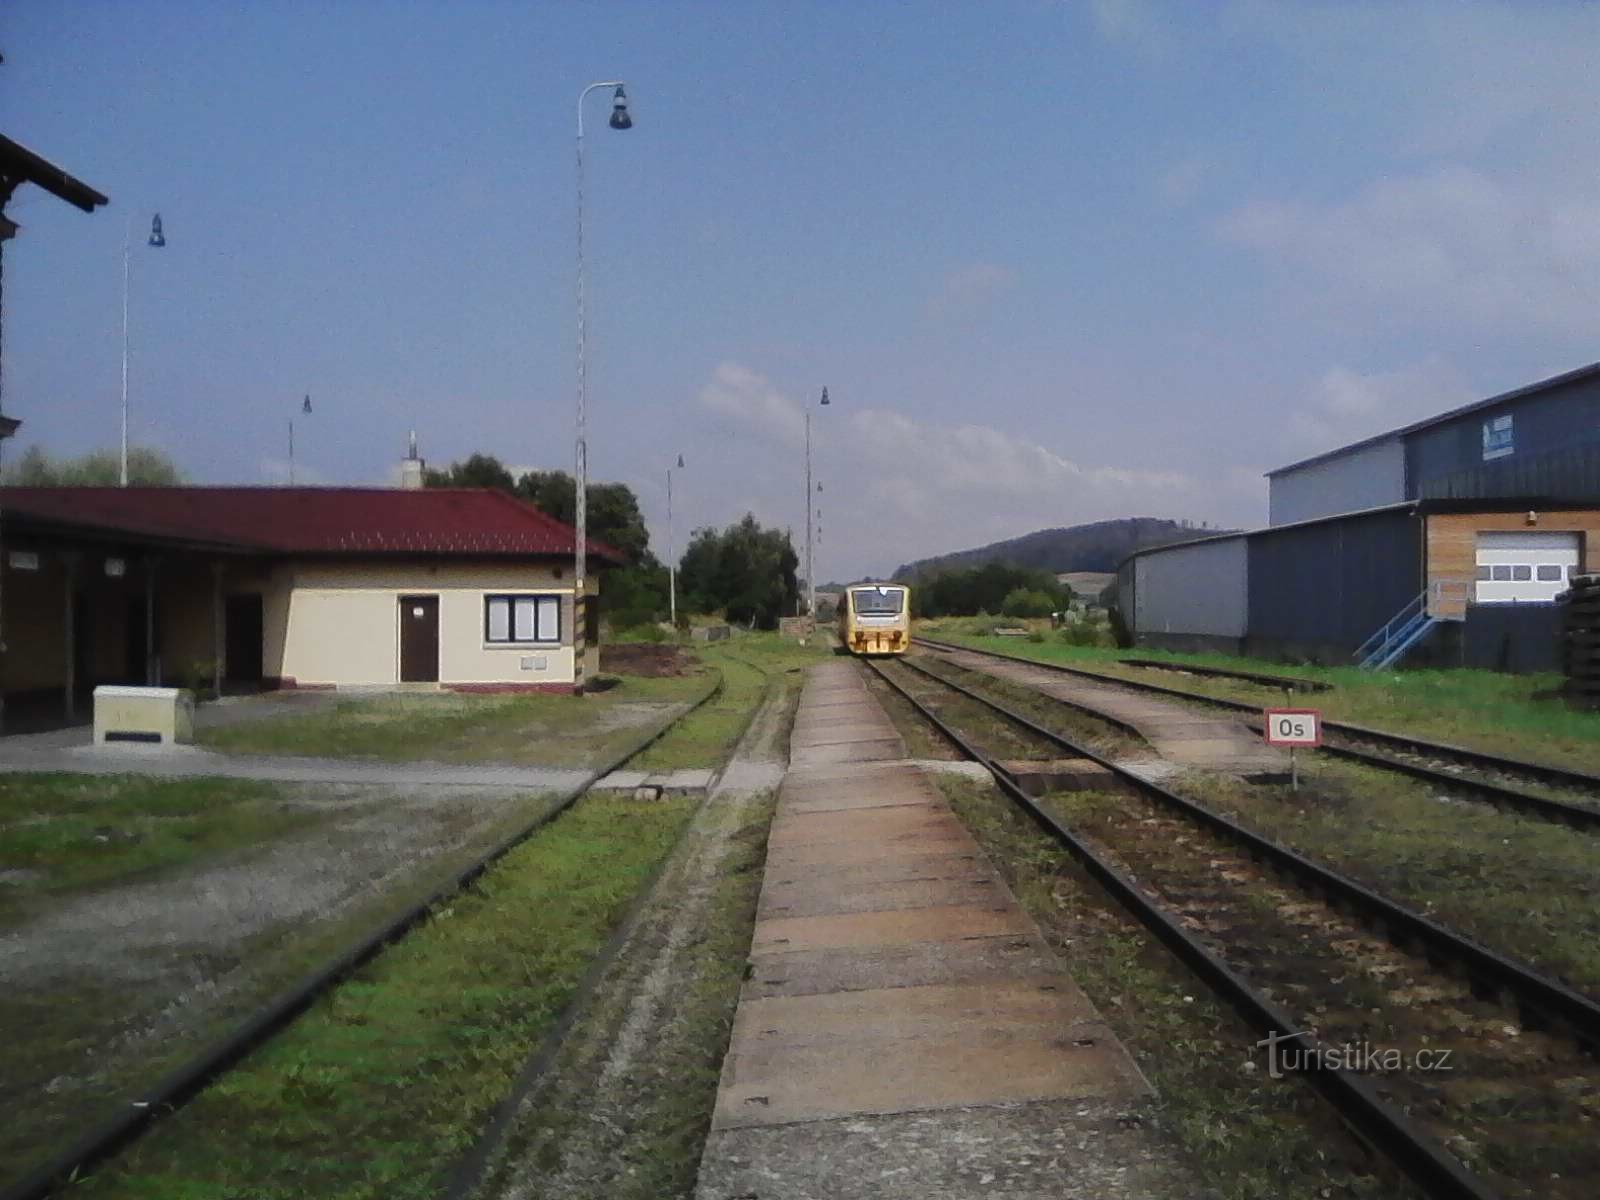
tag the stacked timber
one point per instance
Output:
(1580, 641)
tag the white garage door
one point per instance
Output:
(1525, 568)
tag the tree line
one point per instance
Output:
(745, 571)
(994, 588)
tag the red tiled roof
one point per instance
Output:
(312, 520)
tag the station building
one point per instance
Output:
(1454, 534)
(252, 587)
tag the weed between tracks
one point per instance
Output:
(624, 1113)
(1253, 1138)
(1526, 887)
(390, 1076)
(1516, 1106)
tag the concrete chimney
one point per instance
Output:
(412, 468)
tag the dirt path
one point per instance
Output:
(623, 1110)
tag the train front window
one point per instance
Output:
(878, 602)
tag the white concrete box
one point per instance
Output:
(143, 714)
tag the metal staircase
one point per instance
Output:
(1442, 600)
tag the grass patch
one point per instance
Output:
(1486, 710)
(387, 1080)
(526, 729)
(706, 737)
(1251, 1138)
(65, 833)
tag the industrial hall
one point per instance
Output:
(1445, 542)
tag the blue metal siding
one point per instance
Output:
(1322, 589)
(1546, 427)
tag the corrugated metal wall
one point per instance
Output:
(1318, 591)
(1570, 476)
(1200, 589)
(1546, 424)
(1366, 478)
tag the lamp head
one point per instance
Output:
(619, 110)
(824, 395)
(305, 406)
(156, 237)
(680, 462)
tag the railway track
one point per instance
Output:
(1203, 891)
(1499, 782)
(175, 1089)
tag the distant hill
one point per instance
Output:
(1096, 547)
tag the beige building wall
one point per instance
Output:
(339, 623)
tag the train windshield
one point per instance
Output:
(878, 601)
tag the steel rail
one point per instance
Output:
(1281, 682)
(1411, 1149)
(1577, 816)
(1538, 995)
(182, 1084)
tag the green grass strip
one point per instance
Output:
(706, 737)
(378, 1089)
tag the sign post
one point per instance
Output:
(1294, 727)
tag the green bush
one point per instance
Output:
(1027, 602)
(1082, 633)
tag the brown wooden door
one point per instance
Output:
(242, 619)
(419, 639)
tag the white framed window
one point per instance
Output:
(510, 620)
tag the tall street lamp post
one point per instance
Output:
(811, 582)
(157, 239)
(305, 410)
(619, 120)
(672, 552)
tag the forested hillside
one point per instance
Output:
(1096, 547)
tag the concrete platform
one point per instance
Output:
(905, 1031)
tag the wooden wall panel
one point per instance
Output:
(1453, 538)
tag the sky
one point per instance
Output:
(1054, 262)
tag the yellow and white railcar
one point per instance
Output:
(875, 618)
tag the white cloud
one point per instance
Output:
(962, 462)
(1346, 405)
(1448, 245)
(749, 398)
(898, 487)
(970, 289)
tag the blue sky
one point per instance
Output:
(1055, 262)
